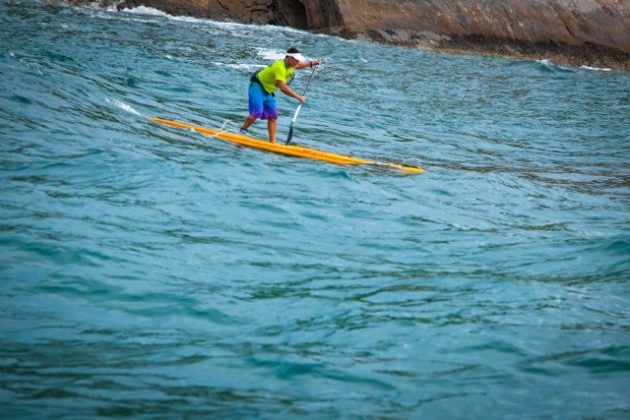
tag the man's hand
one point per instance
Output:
(307, 64)
(287, 91)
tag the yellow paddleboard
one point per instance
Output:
(289, 150)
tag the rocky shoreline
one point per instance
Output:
(576, 32)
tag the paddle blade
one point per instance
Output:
(290, 135)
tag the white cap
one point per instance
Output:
(297, 56)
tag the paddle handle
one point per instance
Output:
(309, 81)
(295, 115)
(297, 111)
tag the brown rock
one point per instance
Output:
(596, 32)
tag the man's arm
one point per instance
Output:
(307, 64)
(287, 91)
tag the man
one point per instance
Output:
(262, 101)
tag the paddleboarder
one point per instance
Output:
(263, 85)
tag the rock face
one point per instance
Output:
(572, 30)
(595, 32)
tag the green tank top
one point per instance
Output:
(271, 75)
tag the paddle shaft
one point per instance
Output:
(297, 111)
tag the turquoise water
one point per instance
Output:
(146, 270)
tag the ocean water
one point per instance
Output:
(149, 271)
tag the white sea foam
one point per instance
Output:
(271, 54)
(143, 10)
(111, 13)
(550, 64)
(268, 54)
(221, 27)
(123, 106)
(239, 66)
(595, 68)
(224, 25)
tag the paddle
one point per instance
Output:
(297, 111)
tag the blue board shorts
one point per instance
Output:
(261, 104)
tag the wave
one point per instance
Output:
(595, 68)
(229, 25)
(123, 106)
(548, 64)
(143, 10)
(239, 66)
(269, 54)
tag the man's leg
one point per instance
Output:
(271, 113)
(248, 122)
(256, 106)
(271, 125)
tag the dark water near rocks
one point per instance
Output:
(146, 270)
